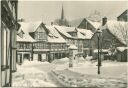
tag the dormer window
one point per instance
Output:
(73, 34)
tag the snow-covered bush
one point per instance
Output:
(61, 61)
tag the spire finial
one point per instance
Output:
(62, 13)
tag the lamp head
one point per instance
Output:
(98, 32)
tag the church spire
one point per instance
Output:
(62, 13)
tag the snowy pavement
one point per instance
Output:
(30, 74)
(83, 74)
(108, 69)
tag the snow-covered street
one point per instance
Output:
(84, 73)
(33, 74)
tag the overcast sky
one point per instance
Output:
(50, 10)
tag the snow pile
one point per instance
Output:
(112, 64)
(88, 58)
(71, 80)
(79, 60)
(122, 48)
(28, 75)
(61, 61)
(32, 83)
(72, 46)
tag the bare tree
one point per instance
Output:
(95, 16)
(61, 22)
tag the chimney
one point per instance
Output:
(104, 21)
(52, 23)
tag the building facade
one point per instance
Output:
(114, 34)
(9, 27)
(52, 42)
(24, 47)
(77, 37)
(46, 43)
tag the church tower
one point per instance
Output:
(62, 20)
(62, 13)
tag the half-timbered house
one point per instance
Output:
(24, 45)
(40, 48)
(9, 27)
(57, 44)
(48, 43)
(74, 36)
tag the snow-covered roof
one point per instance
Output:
(62, 30)
(103, 50)
(26, 38)
(54, 36)
(77, 22)
(87, 34)
(121, 49)
(72, 46)
(81, 33)
(118, 28)
(94, 23)
(20, 30)
(29, 26)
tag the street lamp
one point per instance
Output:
(98, 32)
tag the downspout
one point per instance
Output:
(10, 79)
(32, 52)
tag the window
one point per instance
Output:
(21, 45)
(35, 45)
(27, 46)
(40, 35)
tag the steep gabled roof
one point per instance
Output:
(118, 28)
(29, 26)
(54, 36)
(87, 33)
(61, 29)
(81, 33)
(94, 23)
(26, 38)
(77, 22)
(126, 11)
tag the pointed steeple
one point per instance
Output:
(62, 13)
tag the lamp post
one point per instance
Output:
(99, 59)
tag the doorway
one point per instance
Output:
(27, 56)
